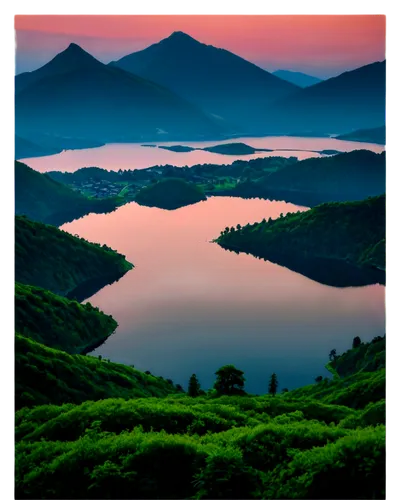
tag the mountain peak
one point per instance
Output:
(180, 36)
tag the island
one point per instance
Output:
(67, 265)
(233, 148)
(341, 244)
(170, 194)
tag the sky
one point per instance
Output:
(322, 46)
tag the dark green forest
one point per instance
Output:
(53, 259)
(170, 194)
(353, 232)
(59, 322)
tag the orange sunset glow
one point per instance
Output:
(322, 45)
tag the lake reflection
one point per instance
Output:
(190, 306)
(131, 156)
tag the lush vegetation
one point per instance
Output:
(43, 199)
(353, 232)
(170, 194)
(234, 148)
(288, 445)
(59, 322)
(55, 260)
(44, 375)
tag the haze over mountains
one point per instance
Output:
(75, 95)
(181, 89)
(217, 80)
(300, 79)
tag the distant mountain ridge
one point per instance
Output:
(353, 100)
(217, 80)
(75, 95)
(298, 78)
(374, 135)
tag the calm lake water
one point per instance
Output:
(131, 156)
(190, 306)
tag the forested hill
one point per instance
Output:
(55, 260)
(43, 199)
(353, 232)
(170, 194)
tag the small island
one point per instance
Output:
(170, 194)
(233, 148)
(340, 244)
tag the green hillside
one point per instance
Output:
(44, 375)
(43, 199)
(170, 194)
(350, 231)
(59, 322)
(292, 445)
(55, 260)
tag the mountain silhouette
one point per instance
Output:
(75, 95)
(353, 100)
(218, 81)
(296, 77)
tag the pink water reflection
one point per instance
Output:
(131, 156)
(190, 306)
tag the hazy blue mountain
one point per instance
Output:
(76, 96)
(215, 79)
(374, 135)
(25, 148)
(353, 100)
(300, 79)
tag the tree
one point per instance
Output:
(356, 342)
(194, 386)
(332, 355)
(285, 389)
(273, 384)
(318, 379)
(229, 381)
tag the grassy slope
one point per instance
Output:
(45, 375)
(41, 198)
(347, 231)
(287, 446)
(53, 259)
(59, 322)
(170, 194)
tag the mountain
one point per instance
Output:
(49, 258)
(300, 79)
(43, 199)
(352, 100)
(76, 96)
(215, 79)
(25, 148)
(374, 135)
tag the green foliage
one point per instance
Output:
(229, 381)
(194, 386)
(170, 194)
(346, 231)
(43, 199)
(59, 322)
(44, 375)
(57, 261)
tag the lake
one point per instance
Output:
(131, 156)
(190, 306)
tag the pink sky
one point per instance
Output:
(320, 45)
